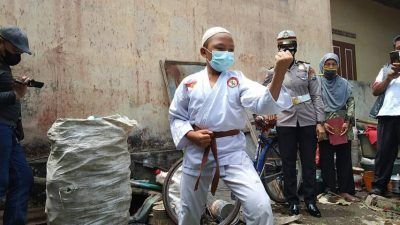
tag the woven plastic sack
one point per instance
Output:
(88, 171)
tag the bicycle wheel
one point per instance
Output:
(171, 199)
(272, 175)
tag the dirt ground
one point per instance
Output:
(354, 214)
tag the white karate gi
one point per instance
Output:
(221, 108)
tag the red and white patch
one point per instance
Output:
(191, 84)
(232, 82)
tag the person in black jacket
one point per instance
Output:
(16, 177)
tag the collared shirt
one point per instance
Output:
(10, 108)
(299, 83)
(391, 103)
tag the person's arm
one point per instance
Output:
(258, 98)
(271, 99)
(314, 86)
(350, 104)
(382, 81)
(283, 61)
(179, 117)
(181, 129)
(6, 97)
(349, 115)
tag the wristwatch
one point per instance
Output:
(320, 122)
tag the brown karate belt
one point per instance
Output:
(214, 150)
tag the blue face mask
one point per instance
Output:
(221, 60)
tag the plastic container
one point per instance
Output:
(368, 177)
(358, 182)
(221, 209)
(395, 181)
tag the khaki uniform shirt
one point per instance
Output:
(299, 82)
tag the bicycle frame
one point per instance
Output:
(264, 144)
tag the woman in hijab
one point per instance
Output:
(339, 107)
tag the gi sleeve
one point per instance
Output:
(314, 87)
(179, 117)
(258, 98)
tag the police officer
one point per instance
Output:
(15, 174)
(299, 126)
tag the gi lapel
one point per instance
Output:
(211, 95)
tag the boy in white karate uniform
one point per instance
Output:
(207, 114)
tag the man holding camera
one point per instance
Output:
(16, 177)
(387, 83)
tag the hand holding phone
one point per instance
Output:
(394, 57)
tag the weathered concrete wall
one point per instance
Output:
(374, 25)
(364, 100)
(101, 57)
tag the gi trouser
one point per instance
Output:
(291, 139)
(388, 147)
(16, 178)
(245, 184)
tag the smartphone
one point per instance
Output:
(394, 57)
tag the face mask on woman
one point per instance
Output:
(330, 73)
(221, 60)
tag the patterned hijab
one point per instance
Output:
(336, 91)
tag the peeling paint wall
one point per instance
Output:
(101, 57)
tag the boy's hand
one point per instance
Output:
(201, 138)
(283, 61)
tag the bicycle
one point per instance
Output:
(267, 163)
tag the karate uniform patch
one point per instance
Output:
(232, 82)
(191, 84)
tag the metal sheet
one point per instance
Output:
(174, 72)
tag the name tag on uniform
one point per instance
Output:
(300, 99)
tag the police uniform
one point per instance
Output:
(296, 127)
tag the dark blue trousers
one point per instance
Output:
(16, 178)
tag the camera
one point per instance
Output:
(394, 57)
(31, 83)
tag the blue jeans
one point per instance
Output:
(16, 178)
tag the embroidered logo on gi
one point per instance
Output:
(232, 82)
(191, 84)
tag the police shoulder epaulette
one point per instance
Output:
(304, 62)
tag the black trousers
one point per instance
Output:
(344, 170)
(388, 145)
(291, 139)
